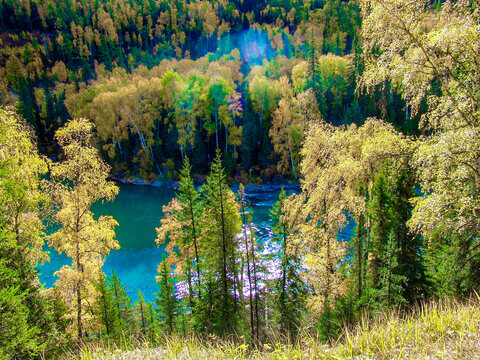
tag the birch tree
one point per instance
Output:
(81, 180)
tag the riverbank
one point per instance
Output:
(268, 186)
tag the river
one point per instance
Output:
(138, 209)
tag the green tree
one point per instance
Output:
(18, 337)
(32, 328)
(189, 217)
(141, 308)
(217, 94)
(432, 55)
(290, 289)
(122, 302)
(107, 310)
(181, 226)
(222, 224)
(167, 302)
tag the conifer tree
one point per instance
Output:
(391, 282)
(290, 290)
(313, 68)
(189, 216)
(221, 215)
(121, 301)
(181, 225)
(395, 255)
(249, 250)
(18, 337)
(152, 323)
(141, 308)
(107, 310)
(167, 302)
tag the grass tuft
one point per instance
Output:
(436, 330)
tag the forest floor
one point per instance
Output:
(438, 330)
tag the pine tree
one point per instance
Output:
(121, 301)
(182, 227)
(18, 338)
(152, 323)
(290, 289)
(106, 309)
(313, 70)
(222, 225)
(167, 302)
(395, 269)
(381, 215)
(141, 308)
(391, 282)
(189, 216)
(249, 243)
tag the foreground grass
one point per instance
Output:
(446, 330)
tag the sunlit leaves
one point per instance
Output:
(24, 167)
(433, 56)
(81, 180)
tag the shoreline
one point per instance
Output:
(269, 186)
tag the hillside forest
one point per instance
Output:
(371, 106)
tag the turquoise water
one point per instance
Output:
(138, 210)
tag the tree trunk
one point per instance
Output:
(224, 255)
(216, 128)
(79, 298)
(291, 161)
(197, 259)
(249, 274)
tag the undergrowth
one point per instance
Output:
(436, 330)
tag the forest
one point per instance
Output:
(371, 106)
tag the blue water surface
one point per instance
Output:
(138, 210)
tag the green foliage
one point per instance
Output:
(167, 302)
(107, 310)
(120, 299)
(28, 312)
(164, 81)
(18, 337)
(221, 215)
(290, 290)
(405, 44)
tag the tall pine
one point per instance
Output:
(223, 220)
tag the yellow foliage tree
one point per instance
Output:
(289, 123)
(338, 169)
(25, 169)
(433, 55)
(79, 181)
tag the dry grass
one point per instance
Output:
(438, 330)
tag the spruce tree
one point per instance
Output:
(290, 290)
(167, 302)
(395, 269)
(107, 309)
(18, 337)
(249, 244)
(189, 216)
(222, 225)
(121, 301)
(141, 308)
